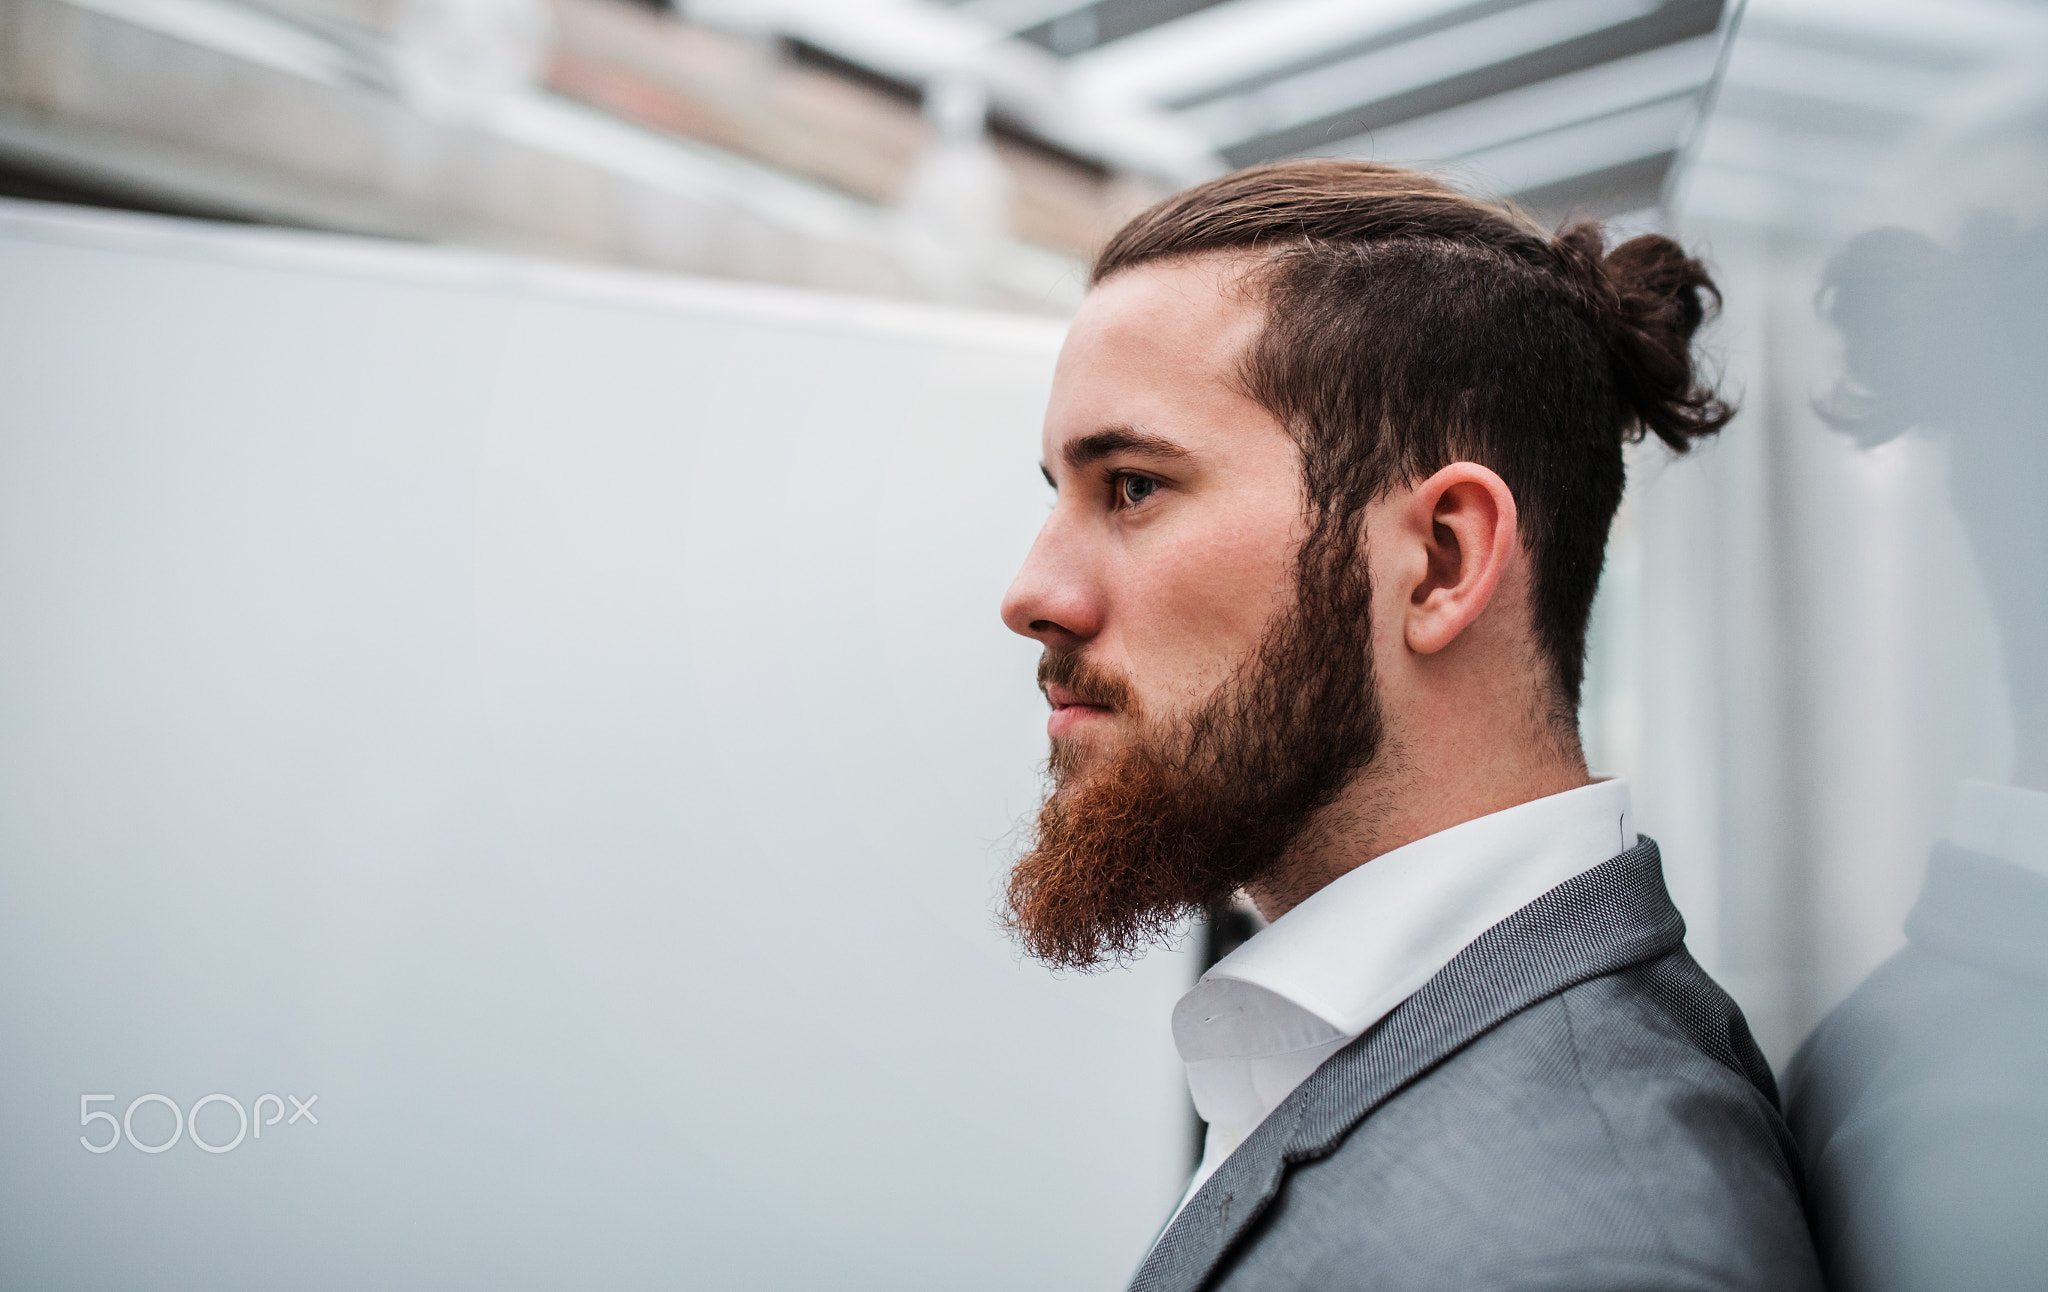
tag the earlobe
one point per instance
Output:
(1464, 519)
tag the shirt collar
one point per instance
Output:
(1370, 938)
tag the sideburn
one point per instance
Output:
(1168, 828)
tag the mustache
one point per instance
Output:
(1092, 683)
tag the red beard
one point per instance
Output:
(1174, 823)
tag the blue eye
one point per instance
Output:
(1132, 490)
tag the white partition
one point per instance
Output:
(560, 720)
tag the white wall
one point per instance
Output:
(560, 719)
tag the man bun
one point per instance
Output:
(1648, 298)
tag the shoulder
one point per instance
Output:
(1607, 1136)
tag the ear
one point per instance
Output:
(1463, 520)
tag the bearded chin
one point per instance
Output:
(1166, 828)
(1118, 858)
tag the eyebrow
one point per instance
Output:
(1118, 439)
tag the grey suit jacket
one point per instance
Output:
(1570, 1103)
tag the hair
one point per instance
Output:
(1409, 326)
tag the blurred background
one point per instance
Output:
(610, 233)
(974, 151)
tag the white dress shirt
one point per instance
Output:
(1304, 987)
(2002, 821)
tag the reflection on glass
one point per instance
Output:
(1922, 1102)
(1842, 613)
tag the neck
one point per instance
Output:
(1411, 790)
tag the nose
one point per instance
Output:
(1055, 598)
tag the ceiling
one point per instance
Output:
(1829, 115)
(1568, 105)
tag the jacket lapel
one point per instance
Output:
(1612, 916)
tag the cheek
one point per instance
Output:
(1198, 607)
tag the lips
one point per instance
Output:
(1061, 697)
(1071, 711)
(1082, 696)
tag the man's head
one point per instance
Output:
(1336, 450)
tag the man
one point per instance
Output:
(1335, 451)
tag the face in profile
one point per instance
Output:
(1208, 693)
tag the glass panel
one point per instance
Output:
(1830, 629)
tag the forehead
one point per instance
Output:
(1156, 347)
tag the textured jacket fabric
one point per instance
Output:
(1570, 1103)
